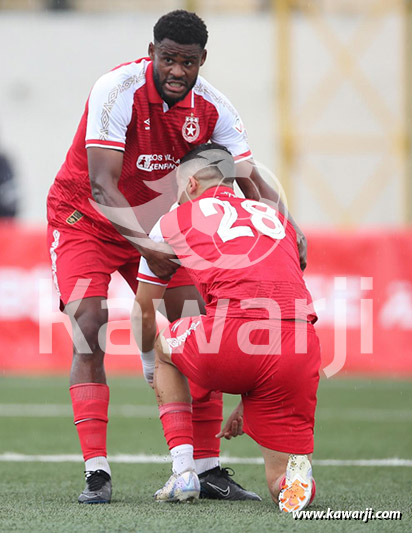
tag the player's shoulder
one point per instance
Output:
(124, 77)
(208, 92)
(167, 225)
(172, 222)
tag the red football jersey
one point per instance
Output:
(236, 250)
(125, 112)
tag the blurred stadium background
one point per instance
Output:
(324, 88)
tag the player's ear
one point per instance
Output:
(151, 51)
(203, 58)
(189, 186)
(192, 185)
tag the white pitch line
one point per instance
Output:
(159, 459)
(46, 410)
(363, 462)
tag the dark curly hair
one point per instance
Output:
(181, 27)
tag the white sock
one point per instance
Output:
(97, 463)
(206, 464)
(182, 457)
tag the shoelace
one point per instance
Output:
(96, 479)
(230, 475)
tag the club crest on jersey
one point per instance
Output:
(191, 129)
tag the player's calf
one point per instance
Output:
(175, 412)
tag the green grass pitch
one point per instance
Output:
(356, 419)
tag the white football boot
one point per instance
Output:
(296, 487)
(179, 488)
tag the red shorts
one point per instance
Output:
(82, 264)
(276, 370)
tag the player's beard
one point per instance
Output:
(170, 101)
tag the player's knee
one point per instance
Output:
(89, 333)
(162, 350)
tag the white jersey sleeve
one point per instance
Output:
(229, 130)
(145, 274)
(110, 106)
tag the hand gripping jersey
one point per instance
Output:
(125, 112)
(241, 255)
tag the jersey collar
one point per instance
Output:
(155, 98)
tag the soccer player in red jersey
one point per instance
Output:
(139, 120)
(257, 338)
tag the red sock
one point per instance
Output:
(90, 405)
(176, 419)
(207, 420)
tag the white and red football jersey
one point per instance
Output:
(236, 250)
(125, 112)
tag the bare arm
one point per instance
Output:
(143, 321)
(105, 167)
(144, 314)
(255, 187)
